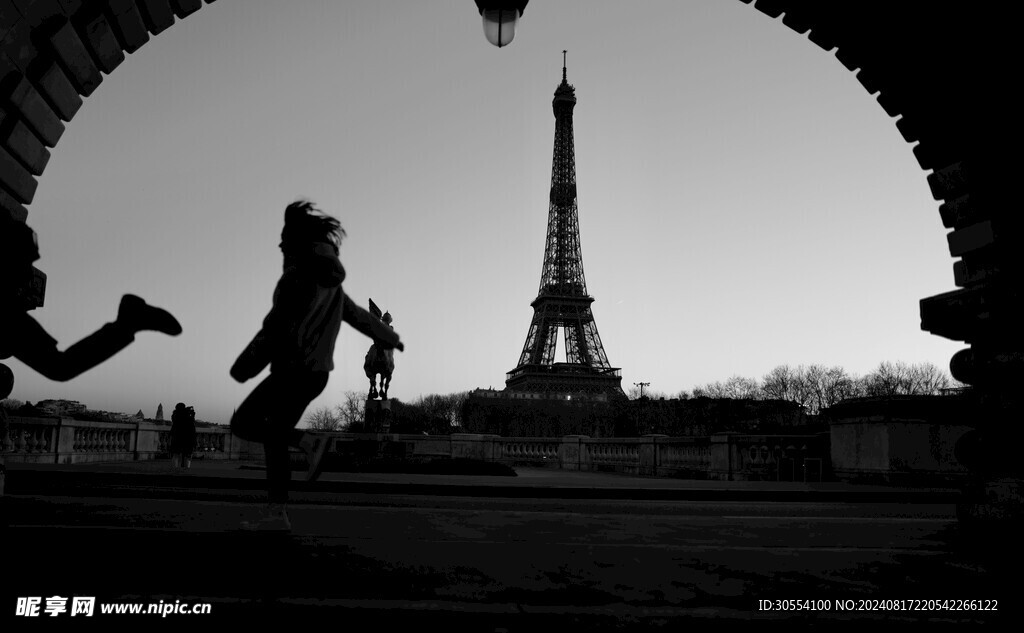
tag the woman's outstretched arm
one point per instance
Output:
(361, 319)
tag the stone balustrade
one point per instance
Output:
(529, 450)
(781, 457)
(54, 440)
(726, 456)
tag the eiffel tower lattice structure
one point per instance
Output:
(562, 301)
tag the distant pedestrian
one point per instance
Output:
(297, 341)
(183, 436)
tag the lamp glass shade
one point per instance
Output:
(500, 25)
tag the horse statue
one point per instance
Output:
(379, 360)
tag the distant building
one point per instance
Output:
(542, 414)
(706, 416)
(539, 395)
(511, 413)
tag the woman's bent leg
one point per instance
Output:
(270, 414)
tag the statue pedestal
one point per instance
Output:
(378, 416)
(376, 442)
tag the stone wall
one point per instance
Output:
(900, 439)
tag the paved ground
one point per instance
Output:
(545, 549)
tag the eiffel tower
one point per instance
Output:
(562, 301)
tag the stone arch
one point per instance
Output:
(54, 52)
(924, 66)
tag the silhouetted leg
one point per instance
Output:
(279, 468)
(256, 420)
(80, 357)
(301, 389)
(269, 415)
(250, 419)
(37, 349)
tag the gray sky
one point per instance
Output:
(743, 202)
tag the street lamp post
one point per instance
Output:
(641, 421)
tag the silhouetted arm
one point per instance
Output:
(361, 319)
(291, 300)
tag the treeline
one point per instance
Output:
(786, 399)
(817, 387)
(434, 414)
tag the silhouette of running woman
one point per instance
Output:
(24, 338)
(297, 340)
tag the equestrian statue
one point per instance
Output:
(379, 360)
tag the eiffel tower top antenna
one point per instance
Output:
(563, 65)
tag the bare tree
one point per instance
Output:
(743, 388)
(439, 411)
(827, 386)
(736, 388)
(710, 390)
(902, 379)
(816, 387)
(352, 411)
(458, 406)
(926, 378)
(788, 383)
(888, 379)
(322, 419)
(841, 386)
(780, 383)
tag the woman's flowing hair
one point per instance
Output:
(305, 223)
